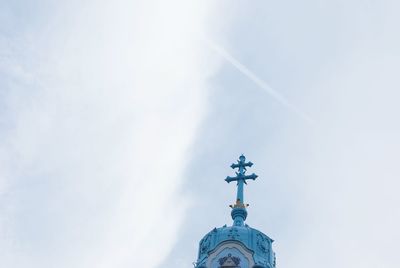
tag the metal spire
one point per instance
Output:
(239, 212)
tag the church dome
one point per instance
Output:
(252, 240)
(238, 245)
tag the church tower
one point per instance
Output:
(239, 245)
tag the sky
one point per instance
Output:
(119, 121)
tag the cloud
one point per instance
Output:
(100, 103)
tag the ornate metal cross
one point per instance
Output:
(241, 178)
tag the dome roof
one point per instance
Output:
(227, 246)
(259, 244)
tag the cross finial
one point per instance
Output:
(239, 209)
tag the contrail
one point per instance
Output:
(258, 81)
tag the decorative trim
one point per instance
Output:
(248, 254)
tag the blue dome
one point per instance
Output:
(257, 243)
(238, 245)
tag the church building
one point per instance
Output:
(239, 245)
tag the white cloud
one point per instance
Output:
(101, 103)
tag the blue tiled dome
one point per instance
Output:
(255, 241)
(238, 245)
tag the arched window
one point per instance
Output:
(229, 261)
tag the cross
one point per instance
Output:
(241, 178)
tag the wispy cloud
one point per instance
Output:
(100, 103)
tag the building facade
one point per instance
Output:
(239, 245)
